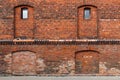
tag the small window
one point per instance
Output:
(87, 13)
(24, 13)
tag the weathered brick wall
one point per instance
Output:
(60, 59)
(24, 62)
(59, 19)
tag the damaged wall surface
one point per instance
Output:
(59, 37)
(59, 59)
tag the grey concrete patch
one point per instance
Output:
(61, 78)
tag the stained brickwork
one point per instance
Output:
(60, 59)
(26, 61)
(56, 39)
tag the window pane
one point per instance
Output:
(24, 13)
(87, 13)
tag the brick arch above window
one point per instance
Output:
(23, 6)
(87, 6)
(92, 8)
(87, 51)
(23, 51)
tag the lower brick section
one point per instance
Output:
(24, 63)
(60, 59)
(87, 62)
(3, 65)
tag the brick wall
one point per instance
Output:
(87, 28)
(24, 27)
(59, 19)
(62, 59)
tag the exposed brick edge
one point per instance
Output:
(61, 42)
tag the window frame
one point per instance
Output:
(22, 13)
(85, 15)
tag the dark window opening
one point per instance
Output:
(24, 13)
(87, 13)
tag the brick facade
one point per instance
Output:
(57, 40)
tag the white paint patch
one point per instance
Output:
(40, 64)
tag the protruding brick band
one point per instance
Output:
(61, 42)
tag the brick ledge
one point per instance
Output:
(61, 42)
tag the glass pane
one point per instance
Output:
(24, 13)
(87, 13)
